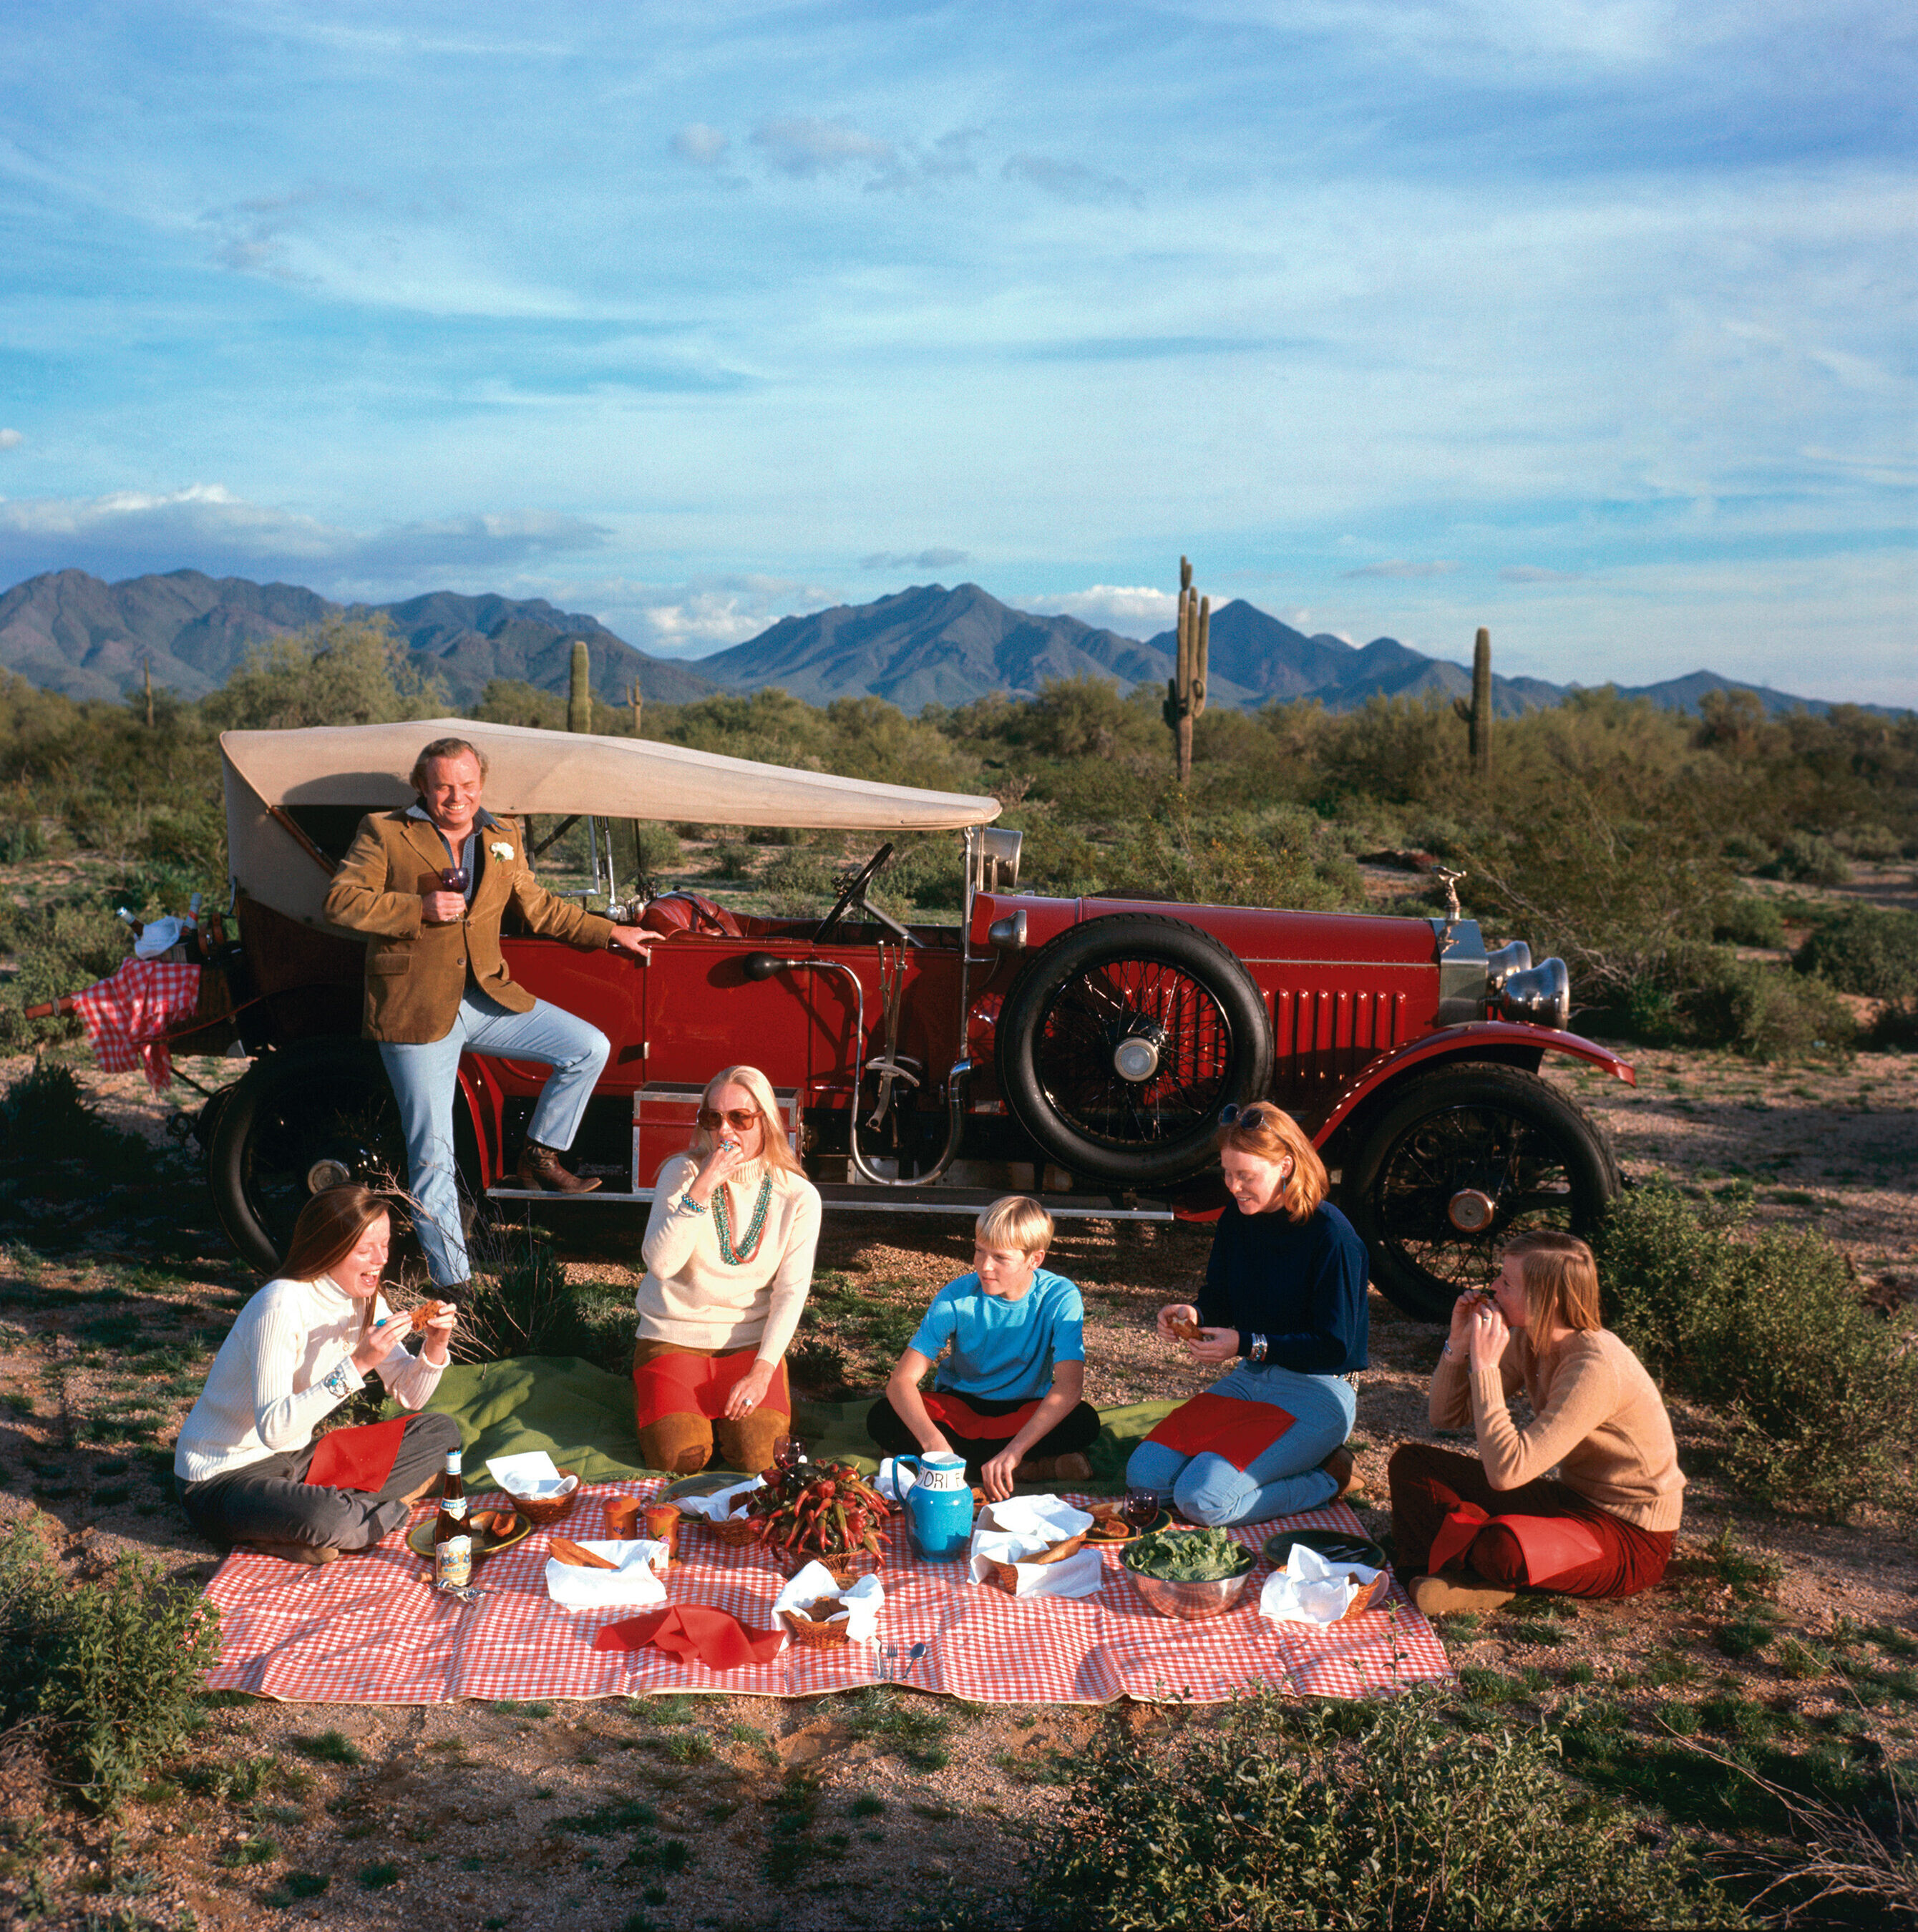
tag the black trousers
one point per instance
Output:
(268, 1502)
(1072, 1435)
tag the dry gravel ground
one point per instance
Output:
(841, 1811)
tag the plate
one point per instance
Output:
(419, 1539)
(704, 1484)
(1163, 1521)
(1335, 1546)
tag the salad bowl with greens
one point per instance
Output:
(1189, 1574)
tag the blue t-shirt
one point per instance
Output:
(1002, 1351)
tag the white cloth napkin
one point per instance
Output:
(532, 1474)
(1041, 1520)
(718, 1506)
(160, 936)
(862, 1602)
(1309, 1590)
(1081, 1574)
(635, 1584)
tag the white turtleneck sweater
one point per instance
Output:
(286, 1365)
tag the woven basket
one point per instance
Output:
(543, 1512)
(1005, 1576)
(735, 1531)
(818, 1636)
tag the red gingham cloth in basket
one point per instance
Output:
(368, 1630)
(125, 1015)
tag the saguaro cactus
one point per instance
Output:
(1185, 690)
(637, 699)
(1477, 715)
(579, 699)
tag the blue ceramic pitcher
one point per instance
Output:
(938, 1506)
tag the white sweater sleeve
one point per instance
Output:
(794, 1280)
(284, 1418)
(671, 1237)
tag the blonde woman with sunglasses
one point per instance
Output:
(728, 1251)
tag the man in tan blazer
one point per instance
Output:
(428, 886)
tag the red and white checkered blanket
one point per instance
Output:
(125, 1015)
(369, 1630)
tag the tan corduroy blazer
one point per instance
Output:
(415, 973)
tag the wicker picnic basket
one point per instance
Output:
(735, 1531)
(1005, 1576)
(821, 1635)
(543, 1512)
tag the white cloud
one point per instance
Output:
(10, 439)
(1133, 610)
(924, 560)
(1528, 573)
(689, 620)
(704, 146)
(805, 148)
(1396, 567)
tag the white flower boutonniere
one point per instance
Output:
(500, 849)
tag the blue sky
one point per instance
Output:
(1590, 322)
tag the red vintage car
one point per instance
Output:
(1081, 1048)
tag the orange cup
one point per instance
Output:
(622, 1516)
(662, 1526)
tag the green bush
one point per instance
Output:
(733, 859)
(1875, 842)
(1705, 996)
(1865, 949)
(113, 1669)
(44, 1118)
(1820, 1391)
(1379, 1815)
(1746, 919)
(520, 1303)
(931, 874)
(21, 840)
(1811, 860)
(798, 874)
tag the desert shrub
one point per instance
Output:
(1763, 1011)
(1810, 860)
(931, 874)
(733, 859)
(520, 1303)
(56, 948)
(1820, 1391)
(1867, 950)
(1872, 842)
(1746, 919)
(776, 835)
(1380, 1815)
(1230, 859)
(44, 1118)
(111, 1668)
(191, 838)
(796, 874)
(21, 840)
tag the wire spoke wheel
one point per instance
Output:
(1120, 1042)
(1465, 1160)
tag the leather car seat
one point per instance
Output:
(690, 912)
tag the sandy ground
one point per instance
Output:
(800, 1814)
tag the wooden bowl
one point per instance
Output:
(818, 1636)
(543, 1512)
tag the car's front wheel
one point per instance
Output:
(1459, 1162)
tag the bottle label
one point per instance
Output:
(453, 1506)
(452, 1563)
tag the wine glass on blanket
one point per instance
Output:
(1142, 1509)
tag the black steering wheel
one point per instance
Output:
(853, 893)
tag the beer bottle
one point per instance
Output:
(452, 1534)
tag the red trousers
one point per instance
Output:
(1428, 1483)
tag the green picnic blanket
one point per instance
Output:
(582, 1417)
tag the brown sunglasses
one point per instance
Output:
(741, 1117)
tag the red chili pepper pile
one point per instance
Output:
(818, 1509)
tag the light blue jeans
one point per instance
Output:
(1283, 1479)
(425, 1079)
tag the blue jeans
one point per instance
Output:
(1282, 1480)
(425, 1079)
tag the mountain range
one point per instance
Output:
(68, 631)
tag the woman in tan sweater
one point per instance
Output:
(728, 1251)
(1584, 1499)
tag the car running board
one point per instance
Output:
(853, 1198)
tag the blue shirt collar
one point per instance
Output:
(483, 820)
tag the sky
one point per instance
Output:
(1592, 322)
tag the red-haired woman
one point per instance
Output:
(1284, 1300)
(305, 1343)
(728, 1251)
(1488, 1526)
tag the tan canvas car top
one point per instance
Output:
(531, 771)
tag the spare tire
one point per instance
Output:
(1120, 1043)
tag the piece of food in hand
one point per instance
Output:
(563, 1549)
(1186, 1329)
(427, 1312)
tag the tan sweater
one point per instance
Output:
(690, 1295)
(1599, 1418)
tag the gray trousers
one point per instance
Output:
(267, 1502)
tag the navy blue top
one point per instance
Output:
(1301, 1284)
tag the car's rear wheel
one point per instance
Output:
(1461, 1161)
(1121, 1041)
(309, 1116)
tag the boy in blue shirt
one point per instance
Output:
(1009, 1396)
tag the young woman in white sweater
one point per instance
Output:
(728, 1251)
(305, 1342)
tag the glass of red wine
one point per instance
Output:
(453, 879)
(1142, 1509)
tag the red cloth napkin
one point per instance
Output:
(1222, 1425)
(720, 1641)
(357, 1459)
(1457, 1534)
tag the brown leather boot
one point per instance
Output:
(539, 1167)
(1344, 1471)
(291, 1552)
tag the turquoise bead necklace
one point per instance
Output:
(722, 1224)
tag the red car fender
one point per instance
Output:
(480, 1093)
(1464, 1042)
